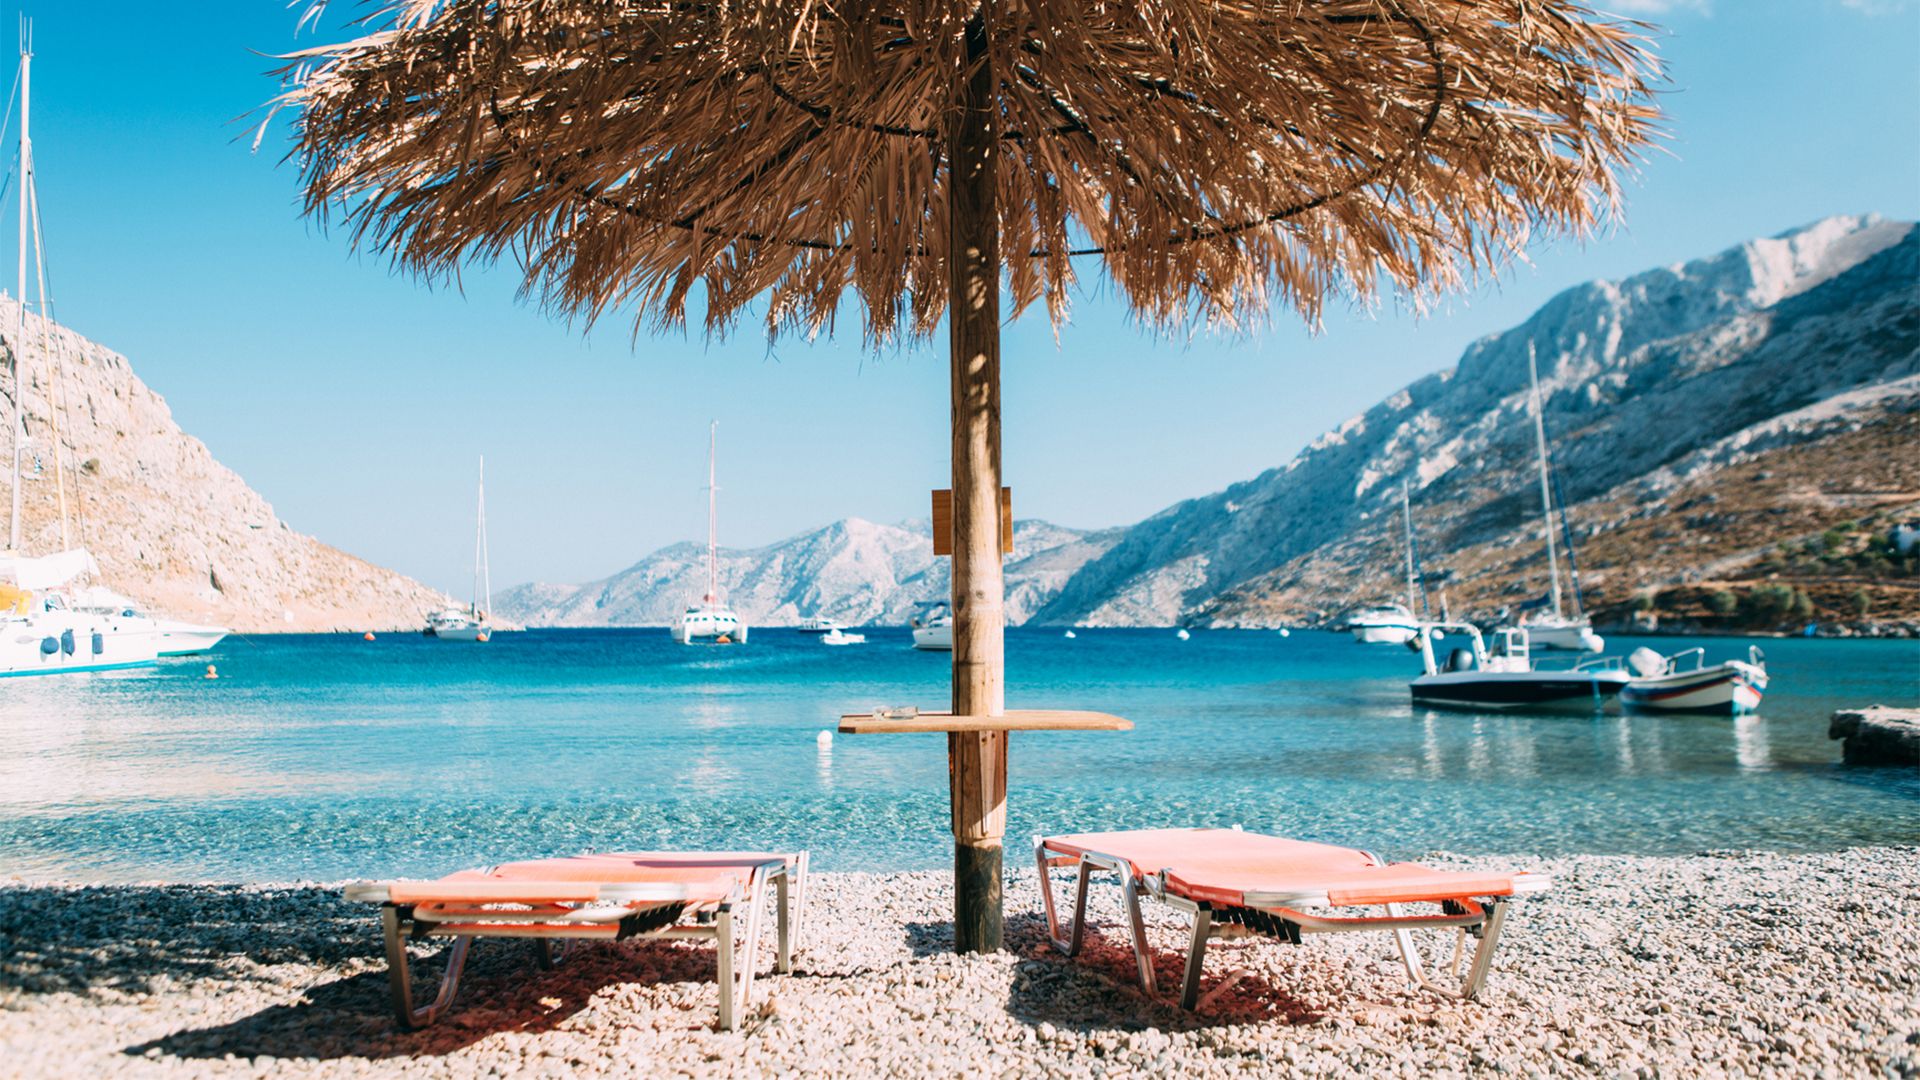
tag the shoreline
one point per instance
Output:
(1706, 963)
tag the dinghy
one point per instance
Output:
(1684, 682)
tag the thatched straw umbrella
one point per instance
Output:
(929, 155)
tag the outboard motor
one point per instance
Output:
(1646, 663)
(1460, 660)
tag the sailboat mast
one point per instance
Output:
(713, 518)
(20, 326)
(1406, 508)
(1546, 491)
(482, 575)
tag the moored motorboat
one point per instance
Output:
(1383, 624)
(1504, 676)
(837, 636)
(933, 629)
(172, 637)
(1684, 682)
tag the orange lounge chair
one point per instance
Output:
(609, 897)
(1229, 880)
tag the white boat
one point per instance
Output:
(933, 629)
(1383, 624)
(837, 636)
(172, 637)
(41, 631)
(711, 622)
(819, 624)
(1551, 627)
(470, 623)
(42, 634)
(458, 624)
(1684, 682)
(1550, 631)
(1504, 676)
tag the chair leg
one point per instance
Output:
(800, 901)
(1202, 930)
(783, 960)
(723, 964)
(1483, 956)
(750, 948)
(400, 976)
(1130, 892)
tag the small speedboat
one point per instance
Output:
(933, 629)
(1684, 682)
(1383, 624)
(837, 636)
(1505, 676)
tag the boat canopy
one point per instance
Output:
(47, 571)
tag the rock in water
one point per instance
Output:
(1877, 735)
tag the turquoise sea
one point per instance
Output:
(327, 757)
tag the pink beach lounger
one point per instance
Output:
(1229, 880)
(645, 894)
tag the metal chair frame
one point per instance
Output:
(556, 927)
(1479, 919)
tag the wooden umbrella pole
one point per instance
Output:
(976, 761)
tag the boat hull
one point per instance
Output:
(710, 628)
(1570, 637)
(461, 633)
(1383, 634)
(1727, 689)
(187, 639)
(933, 638)
(73, 643)
(1518, 689)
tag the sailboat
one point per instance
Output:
(42, 630)
(455, 624)
(1553, 628)
(711, 622)
(1391, 624)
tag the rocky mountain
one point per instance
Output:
(855, 571)
(168, 524)
(1706, 418)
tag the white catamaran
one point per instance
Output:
(711, 622)
(44, 629)
(1554, 629)
(470, 623)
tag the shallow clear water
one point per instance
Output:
(328, 756)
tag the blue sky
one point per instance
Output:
(357, 400)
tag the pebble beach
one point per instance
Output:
(1719, 963)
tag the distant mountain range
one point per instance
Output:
(1776, 385)
(855, 571)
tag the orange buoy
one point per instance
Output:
(212, 672)
(368, 635)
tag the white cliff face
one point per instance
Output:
(168, 524)
(855, 571)
(1636, 375)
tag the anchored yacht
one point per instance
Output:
(711, 622)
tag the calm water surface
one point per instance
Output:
(324, 757)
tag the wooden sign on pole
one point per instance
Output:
(943, 521)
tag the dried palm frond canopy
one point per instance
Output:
(1216, 157)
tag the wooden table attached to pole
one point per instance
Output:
(979, 798)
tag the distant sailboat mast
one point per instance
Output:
(482, 572)
(1546, 491)
(20, 326)
(1406, 508)
(713, 518)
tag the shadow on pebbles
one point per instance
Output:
(1706, 964)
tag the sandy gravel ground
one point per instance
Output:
(1713, 964)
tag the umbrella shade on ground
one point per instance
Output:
(927, 157)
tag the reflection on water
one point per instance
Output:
(1750, 743)
(326, 757)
